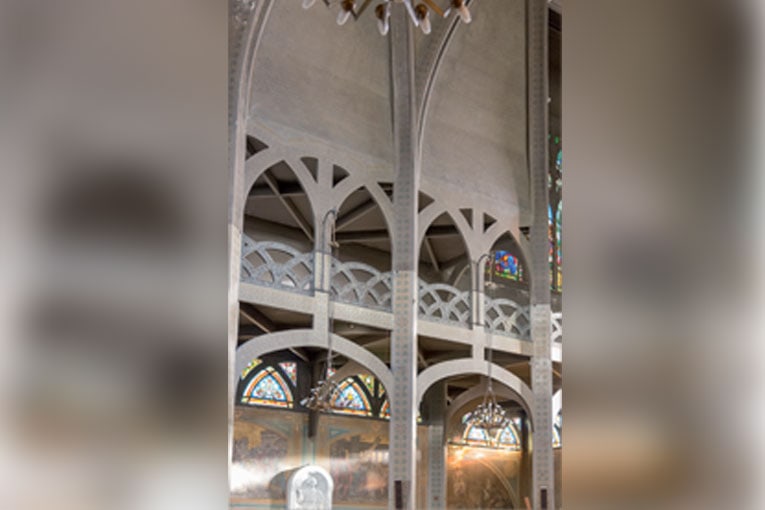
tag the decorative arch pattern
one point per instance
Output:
(521, 392)
(261, 345)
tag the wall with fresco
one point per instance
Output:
(482, 477)
(269, 444)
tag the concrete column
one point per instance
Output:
(249, 17)
(322, 267)
(541, 328)
(237, 132)
(478, 298)
(434, 412)
(403, 424)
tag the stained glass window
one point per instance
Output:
(290, 368)
(267, 388)
(351, 399)
(254, 363)
(474, 435)
(507, 265)
(369, 382)
(508, 437)
(385, 410)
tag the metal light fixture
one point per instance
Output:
(320, 396)
(489, 415)
(419, 14)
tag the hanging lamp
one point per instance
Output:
(419, 13)
(489, 416)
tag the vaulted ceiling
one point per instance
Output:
(333, 84)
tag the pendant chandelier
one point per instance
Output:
(321, 396)
(489, 416)
(419, 14)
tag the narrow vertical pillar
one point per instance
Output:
(237, 135)
(403, 425)
(541, 327)
(322, 269)
(434, 412)
(478, 303)
(479, 296)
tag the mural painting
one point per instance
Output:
(482, 477)
(358, 460)
(264, 449)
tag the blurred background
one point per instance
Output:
(114, 189)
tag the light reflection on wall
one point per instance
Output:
(480, 477)
(271, 443)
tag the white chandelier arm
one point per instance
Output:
(410, 10)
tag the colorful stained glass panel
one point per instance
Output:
(268, 388)
(350, 399)
(385, 410)
(369, 382)
(290, 368)
(507, 265)
(474, 434)
(254, 363)
(508, 437)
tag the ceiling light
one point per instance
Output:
(423, 16)
(382, 11)
(346, 8)
(462, 10)
(419, 15)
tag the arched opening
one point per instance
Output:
(362, 255)
(443, 252)
(278, 209)
(275, 433)
(482, 469)
(278, 232)
(444, 255)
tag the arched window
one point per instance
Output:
(506, 438)
(351, 398)
(361, 395)
(268, 388)
(508, 266)
(475, 436)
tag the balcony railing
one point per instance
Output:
(506, 317)
(362, 285)
(439, 302)
(277, 265)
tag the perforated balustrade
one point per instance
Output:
(277, 265)
(280, 266)
(506, 317)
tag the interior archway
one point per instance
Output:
(443, 252)
(278, 209)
